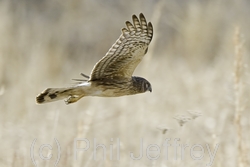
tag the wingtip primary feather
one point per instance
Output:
(141, 15)
(125, 31)
(130, 26)
(134, 16)
(150, 30)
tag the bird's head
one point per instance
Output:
(142, 84)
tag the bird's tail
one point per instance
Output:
(71, 94)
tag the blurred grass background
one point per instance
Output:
(190, 65)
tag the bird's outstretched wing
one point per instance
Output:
(127, 52)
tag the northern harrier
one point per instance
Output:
(112, 75)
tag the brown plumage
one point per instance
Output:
(112, 75)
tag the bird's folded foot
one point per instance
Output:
(72, 99)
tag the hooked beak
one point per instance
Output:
(150, 89)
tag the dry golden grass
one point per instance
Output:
(190, 65)
(239, 103)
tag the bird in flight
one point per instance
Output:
(112, 75)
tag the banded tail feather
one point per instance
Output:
(71, 94)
